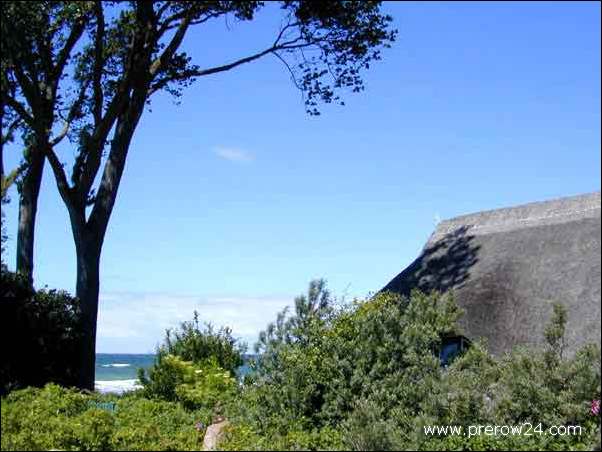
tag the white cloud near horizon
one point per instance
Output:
(233, 154)
(131, 322)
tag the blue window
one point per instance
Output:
(452, 347)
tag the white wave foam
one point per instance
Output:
(115, 365)
(116, 386)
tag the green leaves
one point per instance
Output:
(196, 367)
(348, 37)
(370, 371)
(45, 326)
(554, 334)
(196, 386)
(319, 362)
(363, 376)
(56, 418)
(199, 343)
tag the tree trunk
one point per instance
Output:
(89, 236)
(87, 289)
(28, 208)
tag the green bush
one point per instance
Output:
(316, 365)
(370, 373)
(244, 437)
(195, 366)
(205, 386)
(45, 326)
(367, 428)
(191, 342)
(366, 376)
(58, 418)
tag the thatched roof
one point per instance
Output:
(507, 266)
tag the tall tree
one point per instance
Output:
(37, 41)
(127, 52)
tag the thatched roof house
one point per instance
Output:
(508, 266)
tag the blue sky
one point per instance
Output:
(233, 200)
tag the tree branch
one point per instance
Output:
(289, 45)
(141, 44)
(74, 111)
(10, 129)
(59, 175)
(162, 9)
(27, 87)
(98, 62)
(113, 170)
(97, 143)
(161, 62)
(21, 111)
(281, 34)
(168, 23)
(45, 52)
(290, 70)
(65, 52)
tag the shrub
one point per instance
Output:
(319, 363)
(58, 418)
(191, 342)
(143, 424)
(367, 429)
(365, 377)
(290, 376)
(195, 366)
(370, 373)
(244, 437)
(209, 387)
(205, 386)
(44, 325)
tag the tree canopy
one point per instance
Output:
(84, 71)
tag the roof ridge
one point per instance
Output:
(525, 215)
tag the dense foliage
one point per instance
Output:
(196, 386)
(360, 376)
(55, 418)
(368, 377)
(191, 382)
(196, 365)
(198, 343)
(39, 334)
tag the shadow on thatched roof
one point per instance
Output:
(508, 266)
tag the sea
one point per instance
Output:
(118, 372)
